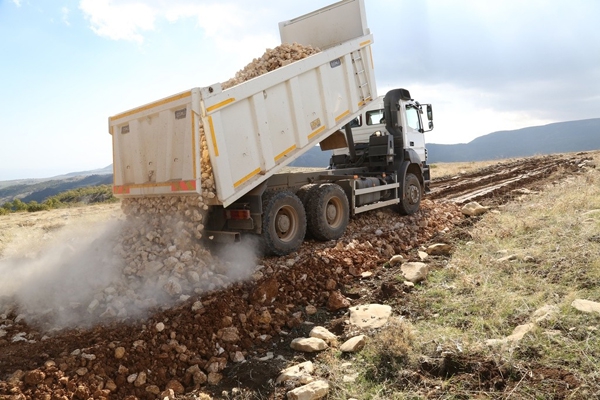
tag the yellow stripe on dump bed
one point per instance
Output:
(364, 43)
(342, 115)
(221, 104)
(244, 179)
(194, 143)
(283, 153)
(315, 133)
(365, 101)
(152, 105)
(213, 136)
(146, 185)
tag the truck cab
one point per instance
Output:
(415, 121)
(369, 121)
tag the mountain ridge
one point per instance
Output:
(558, 137)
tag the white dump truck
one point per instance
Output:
(256, 128)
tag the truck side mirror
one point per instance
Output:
(430, 114)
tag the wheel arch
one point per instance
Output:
(411, 164)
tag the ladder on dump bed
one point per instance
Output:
(361, 76)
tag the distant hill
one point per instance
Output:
(40, 189)
(315, 157)
(30, 181)
(108, 170)
(560, 137)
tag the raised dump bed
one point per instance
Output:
(253, 129)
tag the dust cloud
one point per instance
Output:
(119, 270)
(64, 275)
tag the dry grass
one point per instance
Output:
(384, 364)
(554, 238)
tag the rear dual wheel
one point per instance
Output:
(327, 211)
(283, 224)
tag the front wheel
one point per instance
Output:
(283, 223)
(411, 200)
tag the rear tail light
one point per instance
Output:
(237, 214)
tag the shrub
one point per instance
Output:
(53, 202)
(18, 205)
(34, 206)
(86, 195)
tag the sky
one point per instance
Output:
(486, 66)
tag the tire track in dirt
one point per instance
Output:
(497, 181)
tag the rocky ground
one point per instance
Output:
(229, 340)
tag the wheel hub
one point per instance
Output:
(283, 223)
(413, 194)
(331, 212)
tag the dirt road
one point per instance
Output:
(219, 335)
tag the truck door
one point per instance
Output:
(414, 131)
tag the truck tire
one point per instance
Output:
(304, 192)
(411, 199)
(283, 223)
(327, 212)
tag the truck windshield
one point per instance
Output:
(412, 118)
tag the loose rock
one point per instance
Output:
(586, 305)
(337, 301)
(308, 345)
(312, 391)
(301, 372)
(354, 344)
(370, 315)
(439, 249)
(322, 333)
(474, 209)
(414, 271)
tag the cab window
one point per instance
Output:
(374, 117)
(356, 122)
(412, 118)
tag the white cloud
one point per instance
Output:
(237, 30)
(17, 2)
(130, 19)
(461, 114)
(119, 20)
(65, 15)
(214, 19)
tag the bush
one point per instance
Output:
(85, 195)
(18, 205)
(53, 202)
(390, 351)
(34, 206)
